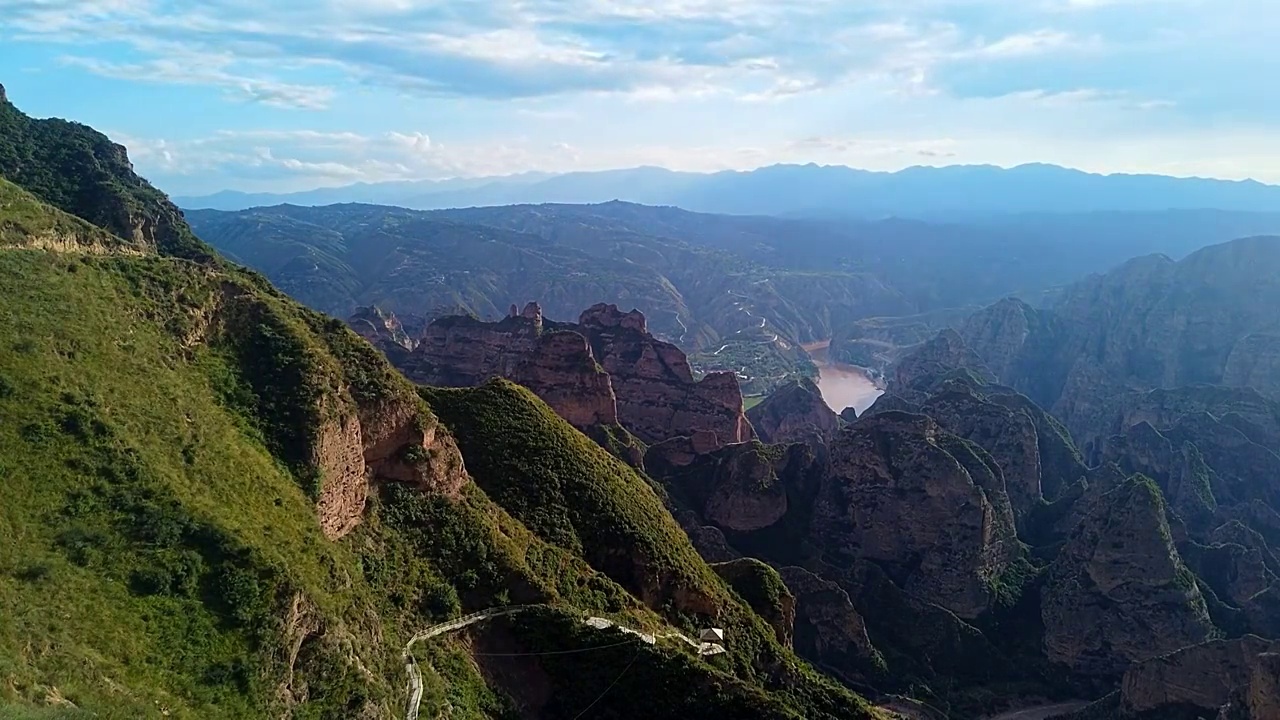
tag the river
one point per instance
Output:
(842, 386)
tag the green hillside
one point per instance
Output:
(185, 456)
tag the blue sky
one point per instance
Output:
(283, 95)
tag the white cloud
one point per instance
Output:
(1032, 43)
(211, 70)
(751, 49)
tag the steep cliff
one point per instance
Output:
(1150, 323)
(557, 364)
(828, 629)
(1118, 592)
(657, 396)
(1201, 677)
(384, 331)
(953, 530)
(794, 412)
(923, 366)
(1010, 437)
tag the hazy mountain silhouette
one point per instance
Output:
(955, 192)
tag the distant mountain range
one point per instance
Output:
(738, 292)
(946, 193)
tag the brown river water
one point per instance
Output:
(844, 386)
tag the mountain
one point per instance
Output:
(385, 193)
(219, 503)
(935, 193)
(737, 293)
(730, 312)
(1150, 323)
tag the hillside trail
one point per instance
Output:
(415, 687)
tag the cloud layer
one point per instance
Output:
(337, 90)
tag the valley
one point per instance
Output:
(363, 461)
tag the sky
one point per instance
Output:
(284, 95)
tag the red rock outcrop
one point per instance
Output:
(554, 362)
(639, 382)
(657, 396)
(389, 441)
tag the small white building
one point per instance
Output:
(712, 635)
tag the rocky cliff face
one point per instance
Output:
(1203, 677)
(393, 441)
(795, 412)
(605, 370)
(1009, 436)
(1264, 688)
(828, 629)
(556, 364)
(927, 505)
(1179, 470)
(1151, 323)
(657, 395)
(1118, 592)
(380, 328)
(740, 488)
(946, 352)
(384, 331)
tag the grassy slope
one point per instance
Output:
(157, 541)
(572, 493)
(24, 219)
(161, 520)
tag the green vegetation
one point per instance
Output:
(160, 463)
(574, 494)
(761, 587)
(80, 171)
(153, 538)
(566, 489)
(24, 220)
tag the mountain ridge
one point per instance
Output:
(925, 192)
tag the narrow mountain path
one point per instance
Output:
(415, 687)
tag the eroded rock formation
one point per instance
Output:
(556, 364)
(384, 331)
(1118, 592)
(657, 396)
(388, 441)
(740, 488)
(1009, 436)
(1202, 676)
(947, 351)
(829, 631)
(927, 505)
(795, 412)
